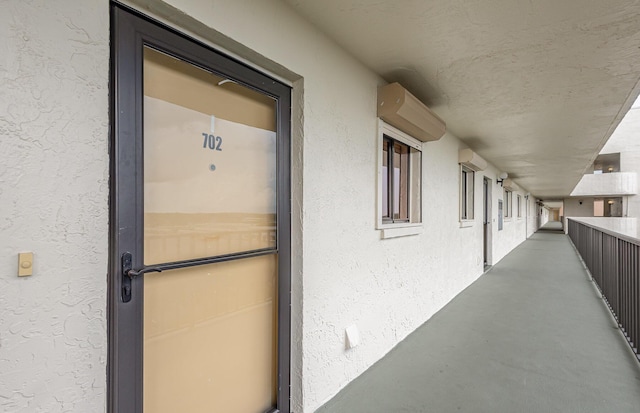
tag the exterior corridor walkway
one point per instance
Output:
(531, 335)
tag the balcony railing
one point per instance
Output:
(614, 262)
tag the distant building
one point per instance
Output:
(608, 192)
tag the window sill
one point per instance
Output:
(509, 219)
(400, 231)
(467, 223)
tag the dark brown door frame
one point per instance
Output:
(130, 31)
(486, 219)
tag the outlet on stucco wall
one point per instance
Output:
(352, 337)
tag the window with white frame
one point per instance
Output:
(507, 204)
(467, 177)
(400, 178)
(519, 205)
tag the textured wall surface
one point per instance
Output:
(610, 184)
(626, 226)
(578, 207)
(514, 229)
(348, 275)
(53, 201)
(53, 198)
(625, 141)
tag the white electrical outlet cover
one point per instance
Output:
(353, 336)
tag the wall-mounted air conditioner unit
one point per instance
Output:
(509, 185)
(401, 109)
(471, 160)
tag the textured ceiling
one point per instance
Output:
(534, 86)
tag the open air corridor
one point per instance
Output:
(530, 335)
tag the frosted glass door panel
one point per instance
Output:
(209, 163)
(210, 338)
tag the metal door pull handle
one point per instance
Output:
(129, 273)
(134, 273)
(127, 263)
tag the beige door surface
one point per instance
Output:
(209, 190)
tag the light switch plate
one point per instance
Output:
(25, 264)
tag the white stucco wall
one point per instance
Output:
(349, 275)
(625, 226)
(578, 207)
(630, 161)
(545, 217)
(54, 70)
(532, 218)
(609, 184)
(624, 140)
(515, 229)
(624, 184)
(54, 125)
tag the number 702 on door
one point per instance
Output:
(212, 142)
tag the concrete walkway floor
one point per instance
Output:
(531, 335)
(552, 226)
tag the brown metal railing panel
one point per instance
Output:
(609, 269)
(614, 263)
(634, 305)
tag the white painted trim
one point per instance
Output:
(401, 225)
(216, 46)
(397, 134)
(507, 204)
(466, 223)
(385, 128)
(400, 232)
(473, 187)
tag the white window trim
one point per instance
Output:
(519, 206)
(466, 222)
(401, 232)
(397, 134)
(508, 205)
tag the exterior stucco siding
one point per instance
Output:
(54, 127)
(54, 69)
